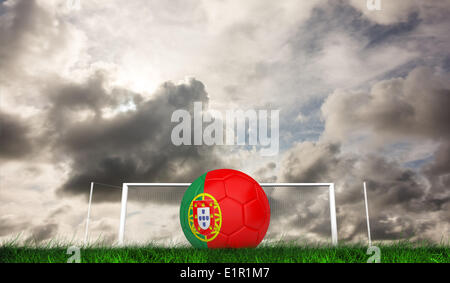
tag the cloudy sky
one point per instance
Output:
(87, 89)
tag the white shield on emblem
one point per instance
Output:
(203, 217)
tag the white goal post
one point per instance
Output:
(125, 186)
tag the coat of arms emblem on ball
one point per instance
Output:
(224, 209)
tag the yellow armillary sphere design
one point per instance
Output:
(205, 217)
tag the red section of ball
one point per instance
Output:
(216, 188)
(244, 207)
(219, 242)
(240, 189)
(232, 219)
(254, 214)
(244, 238)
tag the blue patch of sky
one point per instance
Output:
(341, 17)
(401, 71)
(37, 188)
(381, 33)
(2, 7)
(323, 21)
(446, 63)
(131, 214)
(309, 39)
(419, 163)
(293, 130)
(397, 148)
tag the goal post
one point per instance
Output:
(126, 186)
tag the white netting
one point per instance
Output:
(300, 215)
(153, 216)
(297, 215)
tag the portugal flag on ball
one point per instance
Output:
(224, 209)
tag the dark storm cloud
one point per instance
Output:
(10, 226)
(339, 17)
(133, 146)
(413, 108)
(42, 232)
(23, 19)
(67, 99)
(438, 174)
(394, 191)
(305, 209)
(14, 140)
(59, 211)
(311, 162)
(384, 227)
(24, 26)
(266, 174)
(416, 106)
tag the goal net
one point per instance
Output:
(148, 213)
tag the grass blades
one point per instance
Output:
(400, 252)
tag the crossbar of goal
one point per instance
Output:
(125, 186)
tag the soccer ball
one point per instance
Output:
(224, 209)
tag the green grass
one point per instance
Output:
(400, 252)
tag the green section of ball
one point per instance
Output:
(196, 188)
